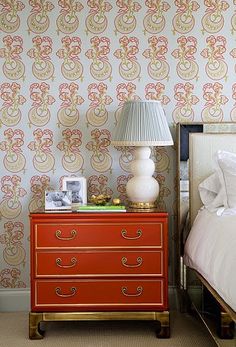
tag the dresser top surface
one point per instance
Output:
(144, 216)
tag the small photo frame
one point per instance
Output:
(78, 187)
(58, 200)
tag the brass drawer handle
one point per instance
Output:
(124, 232)
(73, 235)
(59, 293)
(139, 291)
(139, 262)
(73, 263)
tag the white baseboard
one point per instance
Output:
(19, 299)
(14, 300)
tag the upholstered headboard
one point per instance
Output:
(202, 148)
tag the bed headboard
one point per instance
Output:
(202, 147)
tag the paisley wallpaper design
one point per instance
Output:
(67, 67)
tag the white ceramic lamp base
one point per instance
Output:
(142, 189)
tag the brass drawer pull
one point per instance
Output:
(139, 262)
(139, 291)
(124, 232)
(73, 263)
(73, 235)
(59, 293)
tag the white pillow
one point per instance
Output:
(226, 168)
(211, 192)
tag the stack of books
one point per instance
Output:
(101, 208)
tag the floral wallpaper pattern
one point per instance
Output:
(67, 67)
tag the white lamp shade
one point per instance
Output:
(142, 123)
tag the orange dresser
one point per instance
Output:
(99, 266)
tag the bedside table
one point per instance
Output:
(99, 266)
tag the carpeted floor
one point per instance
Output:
(186, 331)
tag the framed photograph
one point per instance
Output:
(78, 187)
(58, 200)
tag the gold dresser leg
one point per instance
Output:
(35, 318)
(226, 328)
(34, 329)
(164, 319)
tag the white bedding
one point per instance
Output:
(211, 250)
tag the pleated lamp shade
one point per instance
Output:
(142, 123)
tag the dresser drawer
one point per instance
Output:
(92, 263)
(74, 235)
(103, 295)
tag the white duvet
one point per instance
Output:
(211, 250)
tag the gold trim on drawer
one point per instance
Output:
(123, 288)
(127, 263)
(139, 233)
(98, 247)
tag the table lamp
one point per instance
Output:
(142, 124)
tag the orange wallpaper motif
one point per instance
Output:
(68, 66)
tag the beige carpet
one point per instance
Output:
(186, 331)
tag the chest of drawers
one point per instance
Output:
(99, 266)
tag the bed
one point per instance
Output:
(210, 247)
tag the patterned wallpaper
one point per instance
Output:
(67, 67)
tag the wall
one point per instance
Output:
(66, 69)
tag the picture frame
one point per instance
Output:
(78, 187)
(58, 200)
